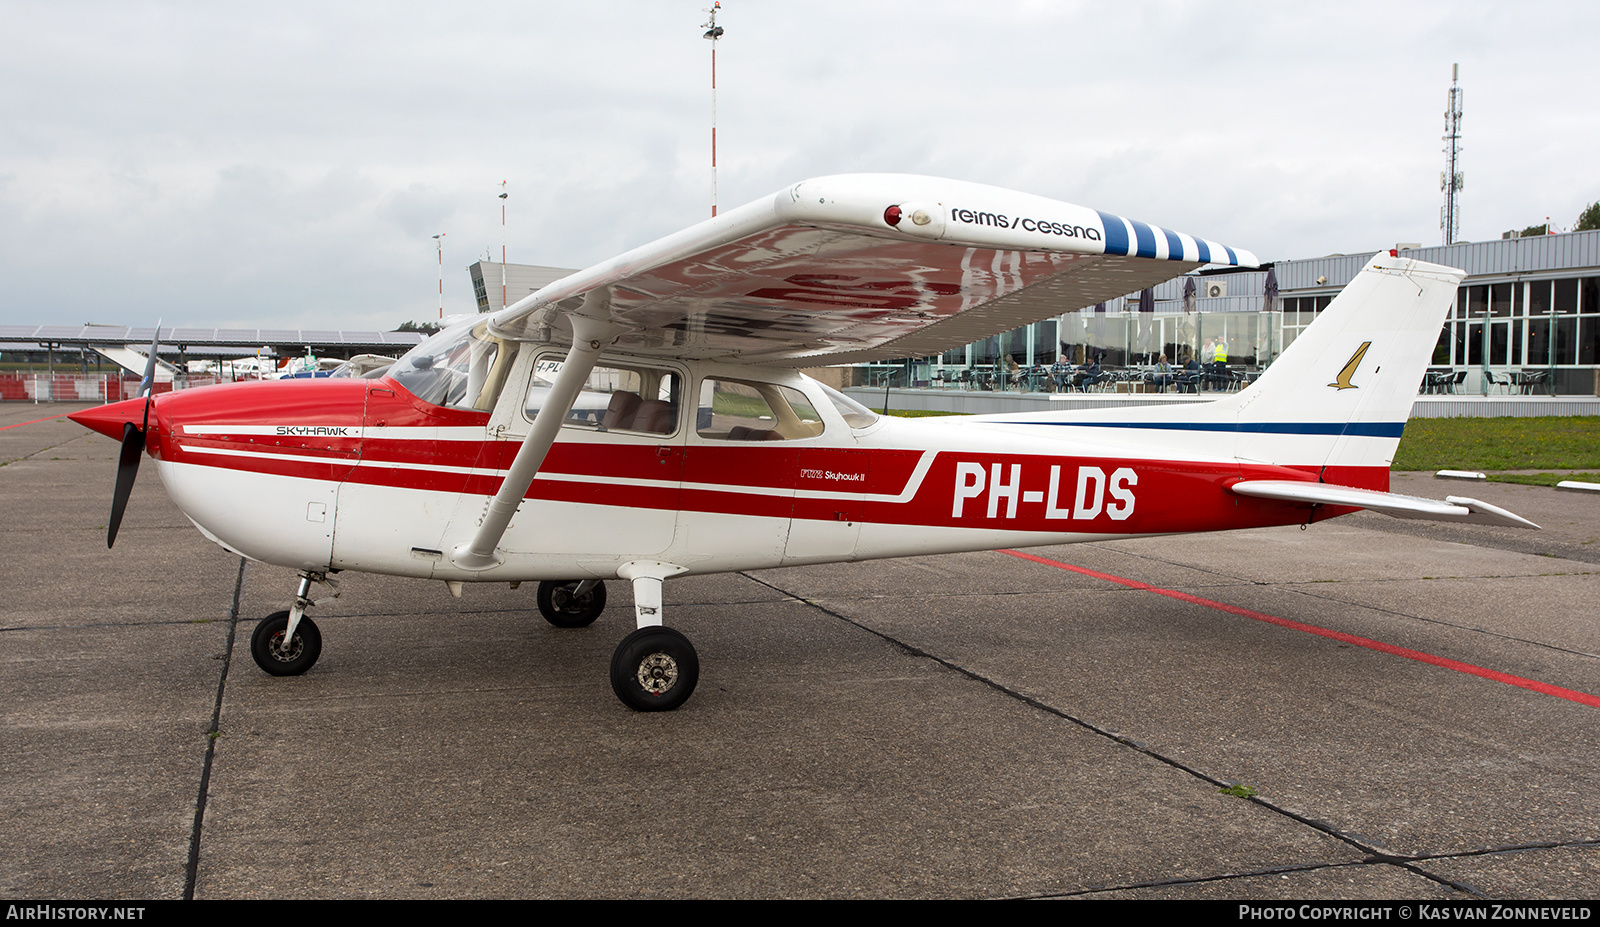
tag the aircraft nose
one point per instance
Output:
(109, 419)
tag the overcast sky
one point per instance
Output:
(287, 164)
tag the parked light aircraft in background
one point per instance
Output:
(644, 419)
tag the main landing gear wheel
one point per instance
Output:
(562, 607)
(654, 669)
(278, 659)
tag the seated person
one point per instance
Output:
(1190, 379)
(1061, 374)
(1162, 375)
(1089, 374)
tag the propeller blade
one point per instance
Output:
(133, 443)
(147, 385)
(147, 389)
(127, 469)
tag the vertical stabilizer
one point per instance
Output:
(1341, 393)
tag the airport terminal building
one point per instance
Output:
(1527, 318)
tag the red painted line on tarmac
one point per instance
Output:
(1571, 695)
(35, 421)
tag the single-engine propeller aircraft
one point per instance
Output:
(645, 419)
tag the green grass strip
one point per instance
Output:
(1543, 443)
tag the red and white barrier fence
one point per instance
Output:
(77, 387)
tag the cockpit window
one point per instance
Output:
(463, 368)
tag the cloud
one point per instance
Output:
(272, 165)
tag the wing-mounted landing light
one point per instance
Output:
(922, 219)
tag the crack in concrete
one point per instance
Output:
(1371, 855)
(191, 869)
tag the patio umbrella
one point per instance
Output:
(1188, 294)
(1271, 300)
(1147, 300)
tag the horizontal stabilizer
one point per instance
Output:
(1454, 509)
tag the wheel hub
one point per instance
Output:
(287, 654)
(658, 673)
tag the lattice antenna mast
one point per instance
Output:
(1451, 180)
(713, 32)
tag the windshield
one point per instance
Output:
(459, 367)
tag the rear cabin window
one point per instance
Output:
(736, 410)
(854, 413)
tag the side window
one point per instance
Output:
(736, 410)
(615, 398)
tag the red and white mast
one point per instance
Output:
(713, 32)
(439, 238)
(503, 195)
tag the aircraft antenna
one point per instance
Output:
(440, 239)
(713, 32)
(1451, 180)
(503, 195)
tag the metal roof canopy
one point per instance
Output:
(286, 341)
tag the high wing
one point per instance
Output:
(862, 267)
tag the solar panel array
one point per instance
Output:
(201, 337)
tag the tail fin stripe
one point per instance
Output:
(1357, 429)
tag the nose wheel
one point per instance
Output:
(281, 657)
(288, 643)
(654, 669)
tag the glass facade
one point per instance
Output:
(1529, 335)
(1524, 335)
(1119, 337)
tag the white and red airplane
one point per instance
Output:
(644, 419)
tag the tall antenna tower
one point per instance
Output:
(439, 238)
(1451, 180)
(713, 32)
(503, 196)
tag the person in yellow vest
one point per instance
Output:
(1219, 366)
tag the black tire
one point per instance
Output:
(266, 645)
(564, 610)
(654, 669)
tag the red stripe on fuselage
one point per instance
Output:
(1037, 492)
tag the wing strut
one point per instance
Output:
(589, 336)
